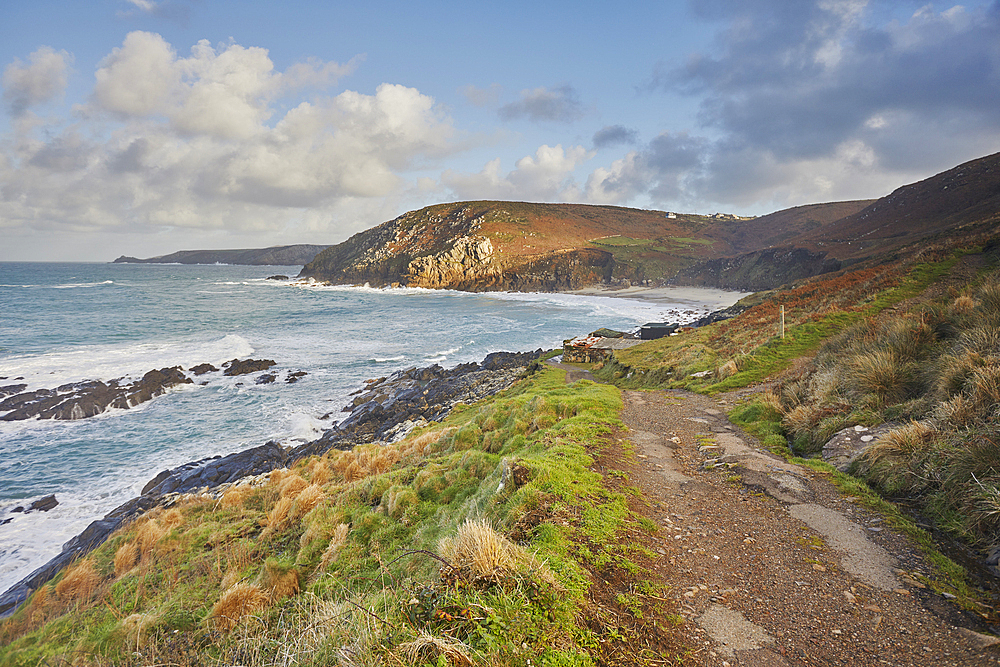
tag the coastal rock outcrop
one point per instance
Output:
(417, 395)
(80, 400)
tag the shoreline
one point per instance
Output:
(711, 297)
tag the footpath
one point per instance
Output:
(769, 564)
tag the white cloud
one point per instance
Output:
(139, 78)
(545, 176)
(202, 143)
(144, 5)
(41, 80)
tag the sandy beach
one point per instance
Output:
(709, 297)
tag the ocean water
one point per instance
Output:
(62, 323)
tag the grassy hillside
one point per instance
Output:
(908, 348)
(475, 540)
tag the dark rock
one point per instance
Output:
(294, 377)
(12, 389)
(246, 366)
(201, 369)
(17, 510)
(414, 394)
(153, 483)
(80, 400)
(266, 378)
(43, 504)
(277, 277)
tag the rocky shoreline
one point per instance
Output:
(384, 410)
(79, 400)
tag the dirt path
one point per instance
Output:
(769, 564)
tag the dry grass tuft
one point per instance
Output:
(319, 472)
(136, 625)
(126, 557)
(279, 581)
(881, 373)
(236, 603)
(903, 458)
(171, 518)
(310, 497)
(231, 578)
(148, 535)
(278, 515)
(427, 648)
(236, 496)
(336, 542)
(79, 582)
(726, 370)
(487, 555)
(292, 485)
(962, 305)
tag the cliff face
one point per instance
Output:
(447, 247)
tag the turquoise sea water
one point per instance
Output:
(61, 323)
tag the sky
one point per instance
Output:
(143, 127)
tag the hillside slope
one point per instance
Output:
(481, 246)
(959, 204)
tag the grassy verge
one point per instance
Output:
(474, 541)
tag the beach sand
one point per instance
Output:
(713, 299)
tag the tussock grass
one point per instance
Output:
(79, 583)
(428, 648)
(126, 557)
(236, 603)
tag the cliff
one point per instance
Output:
(286, 255)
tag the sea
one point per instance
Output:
(67, 322)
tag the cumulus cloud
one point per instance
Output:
(204, 142)
(561, 105)
(666, 169)
(40, 80)
(544, 176)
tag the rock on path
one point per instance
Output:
(769, 563)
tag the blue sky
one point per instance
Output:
(142, 127)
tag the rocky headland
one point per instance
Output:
(287, 255)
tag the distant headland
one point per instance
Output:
(285, 255)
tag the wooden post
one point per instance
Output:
(782, 322)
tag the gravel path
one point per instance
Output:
(770, 564)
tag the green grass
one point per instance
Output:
(397, 509)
